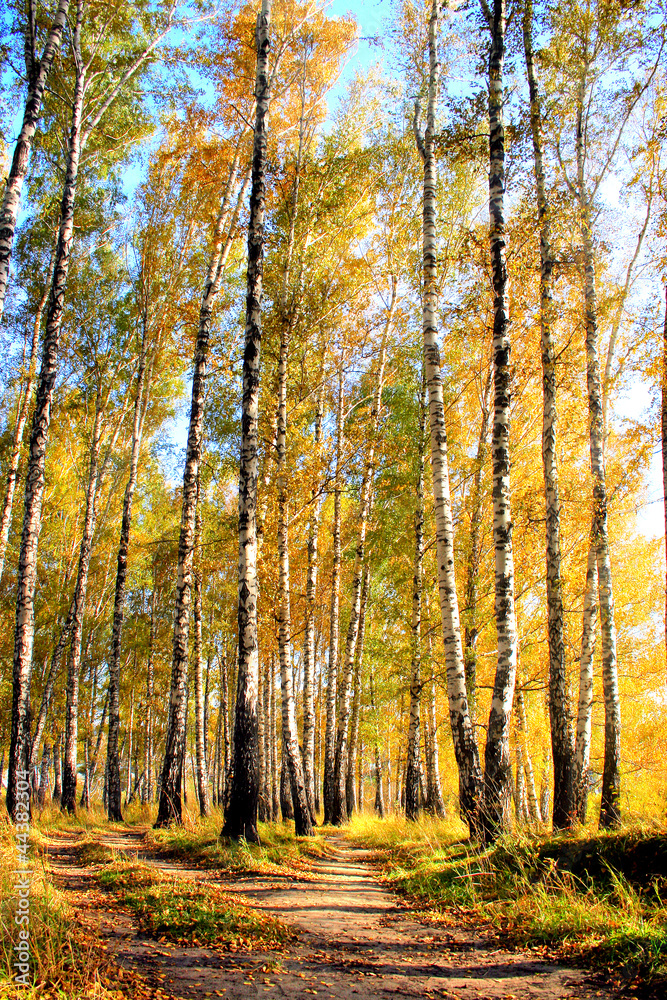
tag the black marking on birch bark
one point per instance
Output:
(34, 492)
(38, 74)
(241, 812)
(465, 747)
(497, 772)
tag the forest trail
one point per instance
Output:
(355, 941)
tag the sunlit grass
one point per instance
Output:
(592, 895)
(189, 911)
(66, 960)
(198, 841)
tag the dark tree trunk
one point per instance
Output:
(286, 798)
(497, 760)
(562, 740)
(241, 813)
(334, 619)
(113, 764)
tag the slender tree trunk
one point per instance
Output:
(38, 71)
(472, 626)
(113, 764)
(273, 697)
(47, 693)
(334, 620)
(663, 415)
(68, 801)
(318, 743)
(147, 788)
(291, 753)
(498, 769)
(465, 746)
(435, 800)
(526, 764)
(25, 397)
(585, 707)
(92, 764)
(379, 796)
(562, 742)
(268, 760)
(309, 638)
(200, 729)
(339, 814)
(610, 806)
(356, 701)
(262, 812)
(169, 809)
(34, 491)
(44, 774)
(57, 772)
(130, 735)
(414, 735)
(241, 814)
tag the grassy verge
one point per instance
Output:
(199, 842)
(601, 898)
(67, 961)
(189, 912)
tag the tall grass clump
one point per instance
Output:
(65, 961)
(602, 896)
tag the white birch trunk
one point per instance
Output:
(241, 813)
(34, 492)
(562, 742)
(465, 747)
(585, 707)
(498, 771)
(25, 398)
(68, 801)
(170, 796)
(309, 638)
(200, 712)
(339, 813)
(38, 72)
(414, 737)
(334, 618)
(610, 806)
(356, 700)
(302, 817)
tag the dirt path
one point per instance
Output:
(355, 942)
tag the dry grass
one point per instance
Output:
(601, 897)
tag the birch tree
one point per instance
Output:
(100, 99)
(170, 808)
(241, 812)
(339, 811)
(465, 747)
(497, 764)
(596, 43)
(562, 742)
(37, 73)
